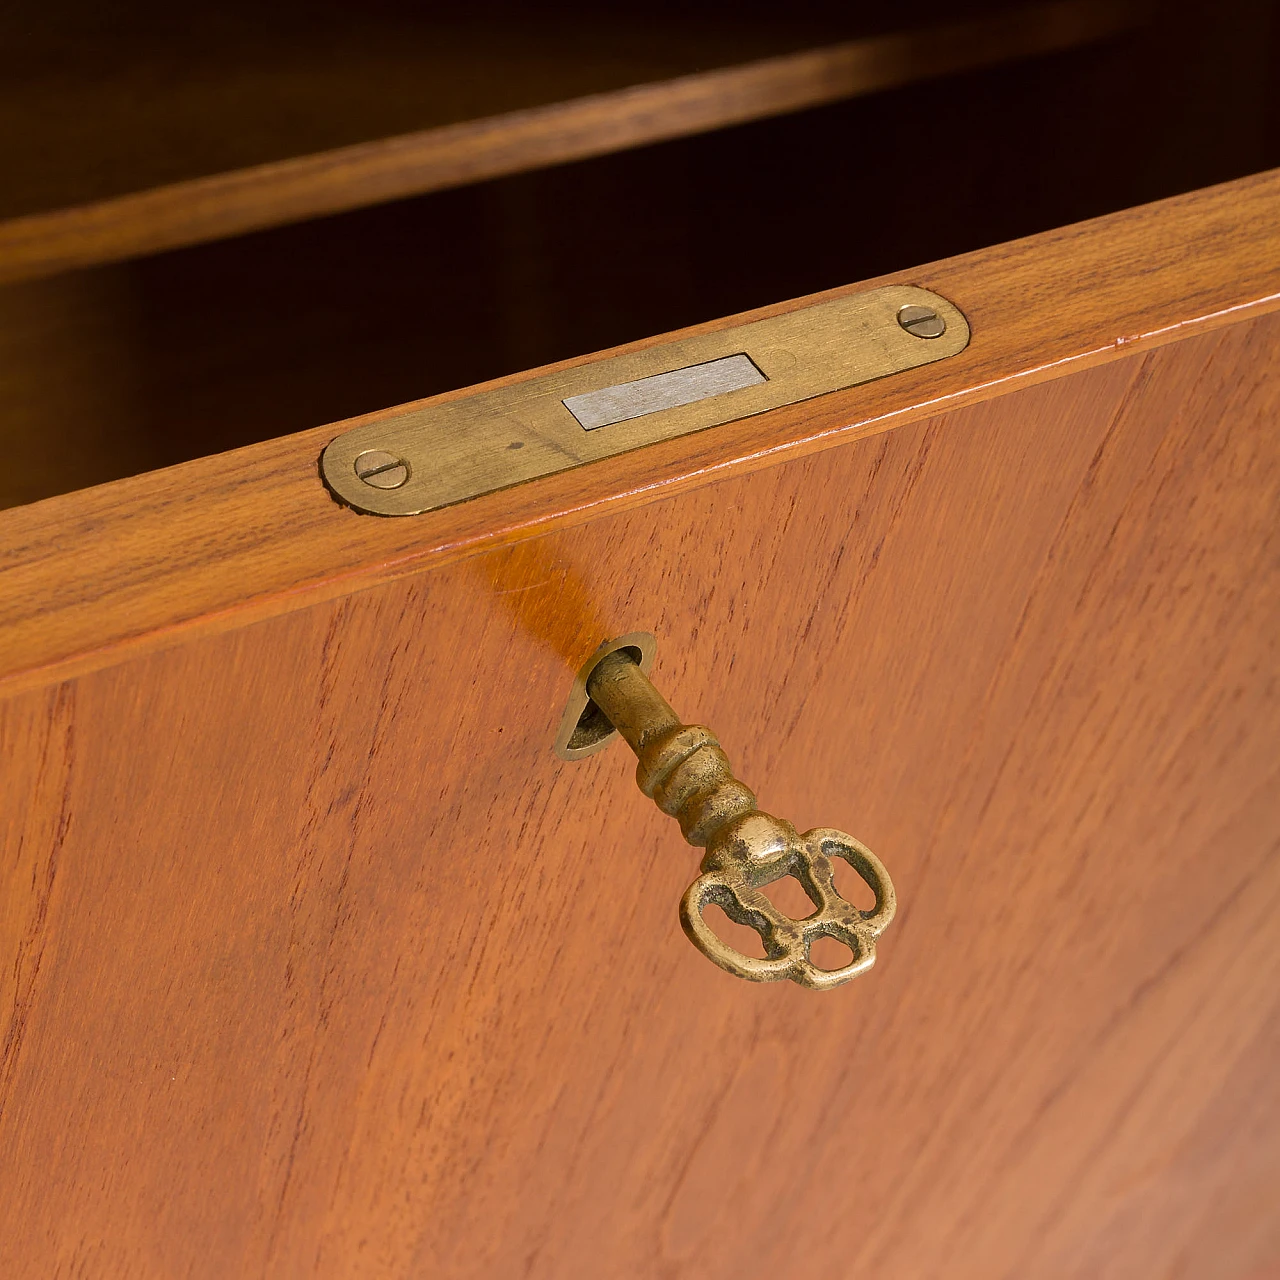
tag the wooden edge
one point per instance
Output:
(354, 177)
(91, 578)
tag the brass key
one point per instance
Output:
(683, 770)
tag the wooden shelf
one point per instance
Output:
(140, 145)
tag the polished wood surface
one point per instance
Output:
(487, 101)
(87, 578)
(317, 960)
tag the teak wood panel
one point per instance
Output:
(319, 962)
(90, 577)
(496, 101)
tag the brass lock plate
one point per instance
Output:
(448, 452)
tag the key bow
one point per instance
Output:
(684, 771)
(757, 850)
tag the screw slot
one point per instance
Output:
(922, 322)
(381, 470)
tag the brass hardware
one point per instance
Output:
(683, 770)
(585, 729)
(380, 469)
(458, 448)
(922, 322)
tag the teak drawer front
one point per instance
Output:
(317, 960)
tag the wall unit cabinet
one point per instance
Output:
(316, 958)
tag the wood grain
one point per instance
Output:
(91, 577)
(317, 961)
(468, 150)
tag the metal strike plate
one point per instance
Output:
(452, 450)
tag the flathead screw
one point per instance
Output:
(922, 322)
(382, 470)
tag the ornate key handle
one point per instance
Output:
(683, 770)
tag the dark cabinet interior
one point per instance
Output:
(124, 366)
